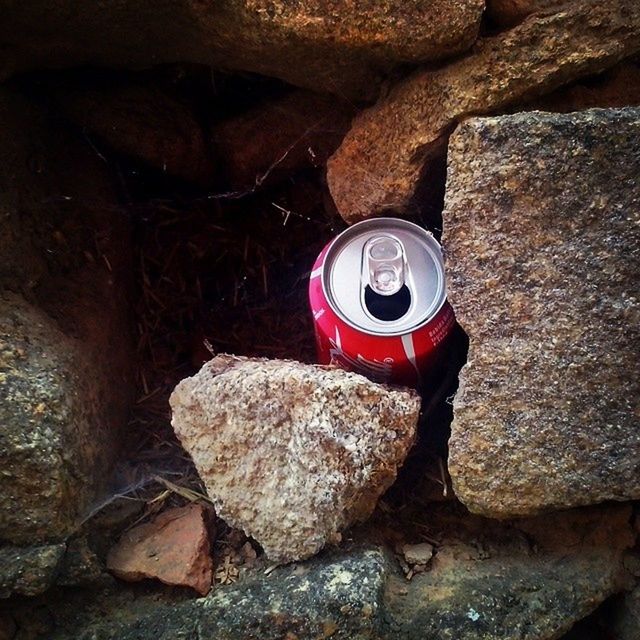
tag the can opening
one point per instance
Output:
(394, 258)
(385, 307)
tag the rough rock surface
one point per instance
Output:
(292, 453)
(143, 122)
(297, 131)
(29, 571)
(332, 46)
(65, 378)
(417, 553)
(522, 580)
(174, 548)
(394, 146)
(330, 596)
(525, 580)
(542, 244)
(46, 449)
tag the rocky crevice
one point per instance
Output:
(222, 179)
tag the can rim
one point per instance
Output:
(357, 228)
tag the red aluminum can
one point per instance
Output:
(378, 298)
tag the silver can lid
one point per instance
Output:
(347, 271)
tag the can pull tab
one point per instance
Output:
(384, 258)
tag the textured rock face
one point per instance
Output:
(145, 123)
(530, 579)
(29, 571)
(64, 354)
(524, 580)
(326, 45)
(174, 548)
(292, 453)
(337, 597)
(395, 146)
(297, 131)
(46, 441)
(418, 554)
(542, 244)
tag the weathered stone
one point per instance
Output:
(299, 130)
(542, 244)
(52, 425)
(65, 374)
(174, 548)
(29, 571)
(338, 597)
(626, 619)
(143, 122)
(531, 579)
(507, 13)
(398, 145)
(618, 87)
(292, 453)
(332, 46)
(522, 580)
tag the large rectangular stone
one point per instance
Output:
(542, 243)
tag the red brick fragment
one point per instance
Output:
(174, 549)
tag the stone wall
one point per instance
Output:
(162, 163)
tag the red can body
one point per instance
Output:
(405, 357)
